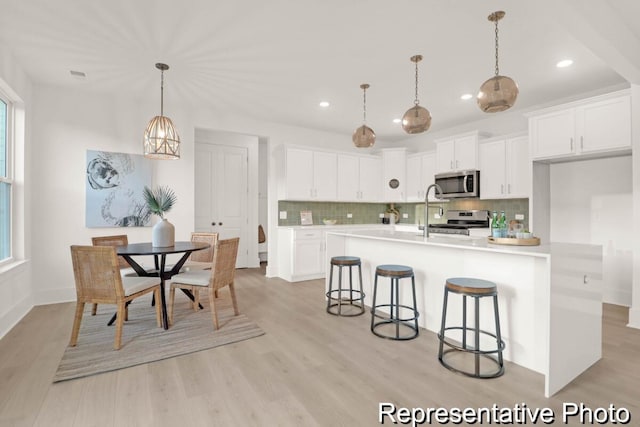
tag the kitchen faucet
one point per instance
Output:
(425, 232)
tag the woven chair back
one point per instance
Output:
(223, 271)
(118, 240)
(205, 255)
(97, 274)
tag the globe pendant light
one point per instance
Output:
(499, 93)
(417, 119)
(364, 137)
(161, 140)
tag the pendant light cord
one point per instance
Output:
(497, 71)
(364, 106)
(416, 102)
(161, 93)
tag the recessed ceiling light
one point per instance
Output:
(466, 96)
(324, 104)
(397, 120)
(78, 74)
(564, 63)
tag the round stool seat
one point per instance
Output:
(471, 286)
(394, 270)
(345, 260)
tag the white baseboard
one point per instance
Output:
(617, 297)
(54, 296)
(634, 318)
(13, 316)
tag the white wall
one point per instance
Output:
(591, 202)
(67, 123)
(15, 278)
(634, 312)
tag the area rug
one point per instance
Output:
(144, 342)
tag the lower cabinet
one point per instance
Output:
(301, 254)
(302, 250)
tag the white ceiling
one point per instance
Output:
(277, 59)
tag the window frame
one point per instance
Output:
(9, 178)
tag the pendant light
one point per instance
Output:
(161, 140)
(417, 119)
(499, 93)
(364, 137)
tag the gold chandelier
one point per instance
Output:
(417, 119)
(364, 137)
(161, 140)
(499, 93)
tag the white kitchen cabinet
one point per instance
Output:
(359, 178)
(504, 168)
(302, 250)
(457, 153)
(421, 169)
(394, 173)
(308, 175)
(301, 253)
(598, 125)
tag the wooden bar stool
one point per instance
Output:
(395, 273)
(335, 303)
(476, 289)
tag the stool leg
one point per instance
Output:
(498, 334)
(330, 294)
(415, 302)
(350, 285)
(464, 322)
(443, 323)
(373, 303)
(339, 290)
(397, 285)
(361, 288)
(477, 337)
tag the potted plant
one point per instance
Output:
(160, 201)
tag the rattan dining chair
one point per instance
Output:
(97, 275)
(117, 240)
(222, 273)
(199, 260)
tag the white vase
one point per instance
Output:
(163, 234)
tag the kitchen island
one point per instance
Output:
(549, 295)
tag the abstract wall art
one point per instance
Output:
(114, 185)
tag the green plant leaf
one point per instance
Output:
(159, 200)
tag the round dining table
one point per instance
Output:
(160, 257)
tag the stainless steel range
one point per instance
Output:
(459, 222)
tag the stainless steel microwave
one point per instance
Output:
(459, 184)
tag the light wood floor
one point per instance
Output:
(310, 368)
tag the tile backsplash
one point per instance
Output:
(368, 213)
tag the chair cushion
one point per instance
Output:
(130, 272)
(196, 278)
(132, 285)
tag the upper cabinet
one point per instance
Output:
(504, 168)
(594, 126)
(308, 175)
(457, 153)
(359, 178)
(394, 173)
(421, 169)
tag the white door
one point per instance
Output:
(221, 193)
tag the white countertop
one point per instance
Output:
(461, 242)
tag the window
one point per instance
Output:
(5, 179)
